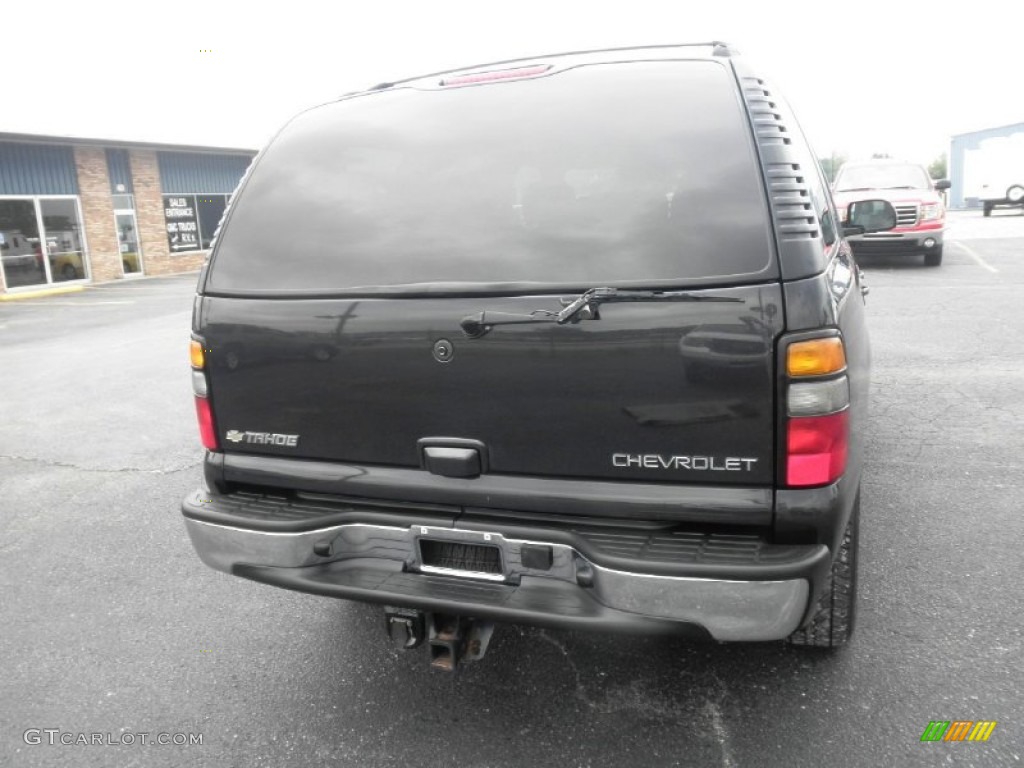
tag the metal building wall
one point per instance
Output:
(959, 146)
(195, 172)
(120, 171)
(37, 169)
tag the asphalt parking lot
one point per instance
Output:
(110, 624)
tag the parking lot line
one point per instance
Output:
(970, 252)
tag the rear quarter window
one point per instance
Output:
(634, 174)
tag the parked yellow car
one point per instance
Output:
(67, 266)
(130, 262)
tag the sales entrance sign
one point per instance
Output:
(182, 223)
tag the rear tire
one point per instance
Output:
(833, 620)
(1015, 194)
(934, 258)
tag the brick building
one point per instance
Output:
(89, 210)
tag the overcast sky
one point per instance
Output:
(863, 77)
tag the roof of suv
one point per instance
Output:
(712, 49)
(787, 164)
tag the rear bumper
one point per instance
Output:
(730, 587)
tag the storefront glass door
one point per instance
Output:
(128, 242)
(20, 246)
(41, 241)
(62, 233)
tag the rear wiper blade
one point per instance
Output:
(595, 296)
(574, 310)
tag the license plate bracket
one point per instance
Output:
(461, 558)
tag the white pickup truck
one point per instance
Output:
(16, 250)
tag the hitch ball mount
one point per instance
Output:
(452, 639)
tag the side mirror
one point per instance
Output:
(867, 216)
(943, 184)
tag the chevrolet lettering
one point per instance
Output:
(701, 463)
(575, 342)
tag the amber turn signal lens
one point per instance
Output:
(198, 354)
(815, 357)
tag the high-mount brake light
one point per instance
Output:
(495, 75)
(201, 390)
(816, 416)
(815, 357)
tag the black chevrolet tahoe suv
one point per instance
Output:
(572, 342)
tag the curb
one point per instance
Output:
(120, 282)
(40, 294)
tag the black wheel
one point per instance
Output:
(68, 272)
(832, 624)
(1015, 194)
(987, 209)
(934, 258)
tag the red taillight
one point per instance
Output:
(207, 432)
(816, 449)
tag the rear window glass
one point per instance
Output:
(623, 175)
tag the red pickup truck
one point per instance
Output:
(920, 211)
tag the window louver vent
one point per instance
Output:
(787, 189)
(764, 112)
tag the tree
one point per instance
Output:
(831, 165)
(938, 168)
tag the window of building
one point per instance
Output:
(123, 202)
(41, 241)
(192, 220)
(211, 209)
(197, 187)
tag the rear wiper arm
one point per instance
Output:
(574, 310)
